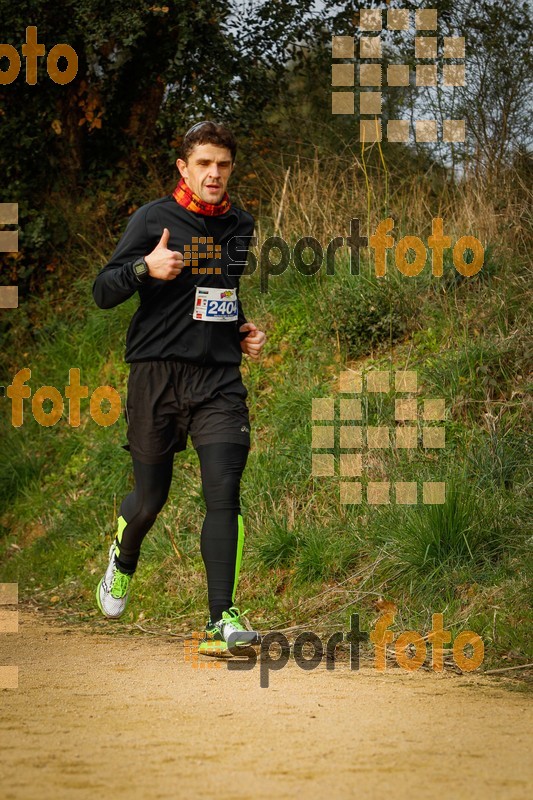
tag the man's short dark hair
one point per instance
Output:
(208, 133)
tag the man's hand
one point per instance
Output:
(253, 344)
(163, 263)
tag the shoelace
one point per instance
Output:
(120, 584)
(232, 618)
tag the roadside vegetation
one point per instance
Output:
(309, 560)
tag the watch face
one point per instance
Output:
(140, 268)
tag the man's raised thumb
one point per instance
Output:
(163, 242)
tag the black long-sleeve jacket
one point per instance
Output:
(163, 326)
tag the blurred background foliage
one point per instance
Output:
(146, 72)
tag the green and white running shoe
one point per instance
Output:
(112, 593)
(227, 632)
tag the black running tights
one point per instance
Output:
(222, 535)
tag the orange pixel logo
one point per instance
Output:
(369, 75)
(9, 623)
(357, 442)
(192, 255)
(9, 243)
(191, 654)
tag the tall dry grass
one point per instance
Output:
(318, 196)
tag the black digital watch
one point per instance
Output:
(140, 270)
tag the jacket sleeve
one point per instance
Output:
(242, 319)
(116, 282)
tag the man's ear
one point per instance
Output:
(181, 165)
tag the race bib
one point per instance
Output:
(215, 305)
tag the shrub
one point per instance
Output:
(367, 312)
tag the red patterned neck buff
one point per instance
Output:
(184, 195)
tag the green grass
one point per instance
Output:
(308, 559)
(430, 541)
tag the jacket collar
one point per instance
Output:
(232, 216)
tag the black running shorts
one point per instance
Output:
(167, 400)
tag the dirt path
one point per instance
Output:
(129, 717)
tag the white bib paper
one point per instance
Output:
(215, 305)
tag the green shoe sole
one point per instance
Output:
(98, 596)
(213, 647)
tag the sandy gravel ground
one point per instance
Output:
(129, 717)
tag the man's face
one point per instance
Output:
(207, 171)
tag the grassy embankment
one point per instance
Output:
(309, 560)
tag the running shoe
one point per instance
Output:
(227, 632)
(112, 593)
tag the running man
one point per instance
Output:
(185, 344)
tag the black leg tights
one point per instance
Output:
(222, 536)
(139, 509)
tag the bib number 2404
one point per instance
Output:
(215, 305)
